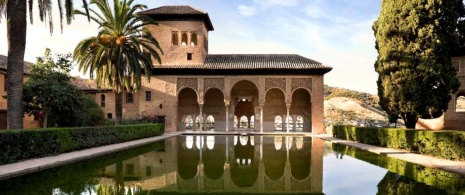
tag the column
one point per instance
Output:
(288, 106)
(227, 118)
(201, 117)
(261, 116)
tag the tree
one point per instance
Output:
(116, 56)
(48, 89)
(15, 11)
(414, 39)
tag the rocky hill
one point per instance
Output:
(349, 107)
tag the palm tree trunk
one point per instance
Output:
(17, 27)
(118, 107)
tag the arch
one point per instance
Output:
(289, 123)
(302, 88)
(189, 122)
(302, 106)
(193, 39)
(244, 96)
(460, 102)
(214, 108)
(278, 123)
(184, 39)
(299, 123)
(244, 165)
(242, 81)
(214, 159)
(183, 88)
(244, 122)
(274, 157)
(188, 159)
(300, 159)
(102, 100)
(210, 123)
(187, 106)
(174, 38)
(275, 105)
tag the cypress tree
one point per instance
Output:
(415, 39)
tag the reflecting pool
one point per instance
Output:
(239, 164)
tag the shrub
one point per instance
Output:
(18, 145)
(445, 144)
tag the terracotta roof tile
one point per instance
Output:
(181, 12)
(4, 60)
(254, 61)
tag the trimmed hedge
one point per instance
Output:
(444, 144)
(451, 182)
(17, 145)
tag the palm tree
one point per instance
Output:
(121, 52)
(15, 11)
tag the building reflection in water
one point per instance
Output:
(224, 163)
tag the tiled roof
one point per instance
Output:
(254, 61)
(86, 84)
(4, 61)
(178, 12)
(173, 9)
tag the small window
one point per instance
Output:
(189, 56)
(184, 39)
(130, 169)
(36, 116)
(102, 100)
(174, 38)
(193, 39)
(109, 115)
(148, 171)
(148, 96)
(456, 66)
(5, 83)
(129, 98)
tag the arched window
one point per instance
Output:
(278, 123)
(252, 122)
(198, 122)
(278, 143)
(299, 123)
(460, 103)
(102, 100)
(244, 122)
(289, 123)
(236, 122)
(189, 122)
(184, 39)
(174, 38)
(193, 39)
(210, 123)
(189, 141)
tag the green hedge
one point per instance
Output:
(17, 145)
(445, 144)
(451, 182)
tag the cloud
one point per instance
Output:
(268, 3)
(247, 10)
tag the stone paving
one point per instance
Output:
(33, 165)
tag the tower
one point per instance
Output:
(182, 33)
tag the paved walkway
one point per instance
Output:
(427, 161)
(33, 165)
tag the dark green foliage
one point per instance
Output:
(19, 145)
(415, 39)
(409, 176)
(444, 144)
(73, 177)
(88, 113)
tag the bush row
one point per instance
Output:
(17, 145)
(444, 144)
(423, 177)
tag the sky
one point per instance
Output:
(336, 33)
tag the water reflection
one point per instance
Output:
(245, 164)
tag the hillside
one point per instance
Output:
(348, 107)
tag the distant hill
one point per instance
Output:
(349, 107)
(366, 98)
